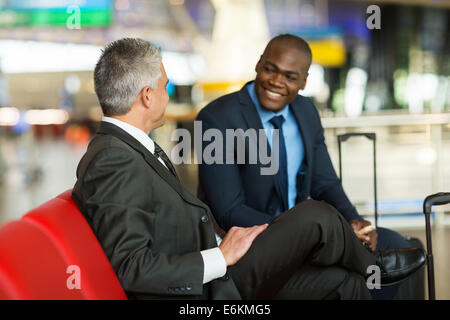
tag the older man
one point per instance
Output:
(163, 242)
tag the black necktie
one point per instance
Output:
(159, 153)
(277, 122)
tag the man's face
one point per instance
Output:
(160, 98)
(280, 73)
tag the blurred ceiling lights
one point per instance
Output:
(11, 116)
(32, 56)
(46, 116)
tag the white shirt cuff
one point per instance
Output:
(214, 263)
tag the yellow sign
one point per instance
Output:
(329, 52)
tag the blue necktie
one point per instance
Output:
(277, 122)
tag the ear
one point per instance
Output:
(146, 96)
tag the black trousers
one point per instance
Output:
(308, 252)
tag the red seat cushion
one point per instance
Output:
(60, 237)
(31, 266)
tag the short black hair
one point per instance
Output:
(294, 42)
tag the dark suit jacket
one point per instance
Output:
(150, 227)
(239, 194)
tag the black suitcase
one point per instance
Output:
(437, 199)
(414, 287)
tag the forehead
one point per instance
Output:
(286, 57)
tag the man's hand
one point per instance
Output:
(369, 238)
(237, 241)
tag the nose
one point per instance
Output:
(276, 80)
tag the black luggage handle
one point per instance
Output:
(345, 137)
(371, 136)
(436, 199)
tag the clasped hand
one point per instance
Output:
(368, 239)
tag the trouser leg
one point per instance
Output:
(312, 232)
(324, 283)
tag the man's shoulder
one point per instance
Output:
(103, 146)
(102, 142)
(304, 102)
(306, 106)
(226, 104)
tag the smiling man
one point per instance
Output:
(246, 198)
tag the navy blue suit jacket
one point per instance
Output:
(237, 193)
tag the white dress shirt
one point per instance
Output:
(213, 259)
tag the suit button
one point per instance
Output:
(188, 287)
(204, 219)
(225, 277)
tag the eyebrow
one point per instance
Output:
(287, 71)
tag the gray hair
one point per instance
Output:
(124, 68)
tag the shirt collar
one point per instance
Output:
(266, 115)
(133, 131)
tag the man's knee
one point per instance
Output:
(315, 211)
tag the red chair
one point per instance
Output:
(38, 252)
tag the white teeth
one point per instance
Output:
(273, 94)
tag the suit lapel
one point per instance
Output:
(253, 120)
(249, 111)
(173, 181)
(163, 172)
(304, 128)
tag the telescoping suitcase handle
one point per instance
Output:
(371, 136)
(344, 137)
(436, 199)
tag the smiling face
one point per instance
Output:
(281, 72)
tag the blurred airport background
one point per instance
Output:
(391, 77)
